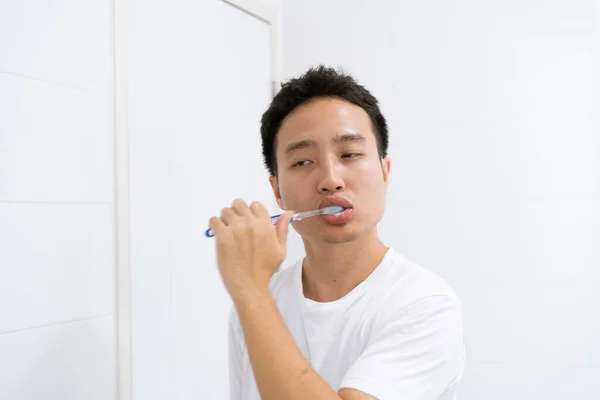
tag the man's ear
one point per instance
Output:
(386, 165)
(275, 186)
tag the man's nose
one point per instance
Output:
(332, 180)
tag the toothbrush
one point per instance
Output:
(300, 215)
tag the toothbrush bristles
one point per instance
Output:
(333, 210)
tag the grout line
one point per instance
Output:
(67, 85)
(94, 203)
(55, 324)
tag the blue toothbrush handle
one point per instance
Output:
(208, 232)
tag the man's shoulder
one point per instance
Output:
(408, 282)
(414, 299)
(403, 279)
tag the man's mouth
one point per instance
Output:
(335, 201)
(341, 217)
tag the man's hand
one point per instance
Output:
(249, 251)
(249, 247)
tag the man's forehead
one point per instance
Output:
(324, 120)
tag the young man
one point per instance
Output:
(353, 320)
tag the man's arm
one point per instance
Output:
(280, 369)
(249, 250)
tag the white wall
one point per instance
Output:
(495, 185)
(199, 78)
(57, 330)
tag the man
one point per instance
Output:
(353, 320)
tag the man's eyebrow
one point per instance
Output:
(349, 137)
(290, 148)
(343, 138)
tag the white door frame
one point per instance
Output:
(272, 16)
(122, 215)
(268, 13)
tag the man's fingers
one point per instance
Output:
(259, 210)
(240, 207)
(228, 216)
(216, 225)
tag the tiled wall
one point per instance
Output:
(495, 145)
(57, 242)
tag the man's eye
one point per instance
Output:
(351, 155)
(300, 163)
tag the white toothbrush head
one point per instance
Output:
(332, 210)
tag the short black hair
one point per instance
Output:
(319, 82)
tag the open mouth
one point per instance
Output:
(341, 217)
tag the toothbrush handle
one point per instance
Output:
(208, 232)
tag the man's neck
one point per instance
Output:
(330, 271)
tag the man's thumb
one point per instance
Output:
(282, 226)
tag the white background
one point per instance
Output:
(495, 184)
(495, 142)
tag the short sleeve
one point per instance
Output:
(235, 351)
(418, 354)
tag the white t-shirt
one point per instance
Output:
(398, 335)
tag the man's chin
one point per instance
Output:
(334, 234)
(340, 234)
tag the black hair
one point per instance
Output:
(318, 82)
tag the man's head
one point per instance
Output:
(325, 142)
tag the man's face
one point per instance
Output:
(327, 154)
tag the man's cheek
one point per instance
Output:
(291, 196)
